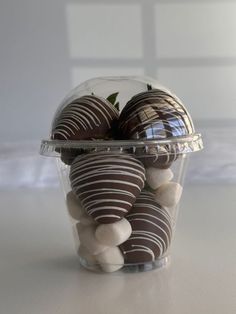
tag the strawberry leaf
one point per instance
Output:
(112, 99)
(149, 87)
(117, 105)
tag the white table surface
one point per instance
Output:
(40, 273)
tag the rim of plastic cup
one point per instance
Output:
(181, 145)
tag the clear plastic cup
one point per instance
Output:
(140, 238)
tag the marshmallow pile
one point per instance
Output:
(141, 234)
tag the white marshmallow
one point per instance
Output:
(85, 254)
(87, 238)
(113, 234)
(86, 220)
(168, 194)
(156, 177)
(73, 205)
(111, 259)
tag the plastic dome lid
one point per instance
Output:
(151, 116)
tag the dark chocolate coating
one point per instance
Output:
(68, 155)
(88, 117)
(107, 184)
(152, 158)
(154, 115)
(151, 231)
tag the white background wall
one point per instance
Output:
(49, 46)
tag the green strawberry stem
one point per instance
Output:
(112, 99)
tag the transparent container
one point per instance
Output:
(123, 192)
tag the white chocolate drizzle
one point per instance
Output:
(107, 184)
(151, 229)
(155, 114)
(83, 114)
